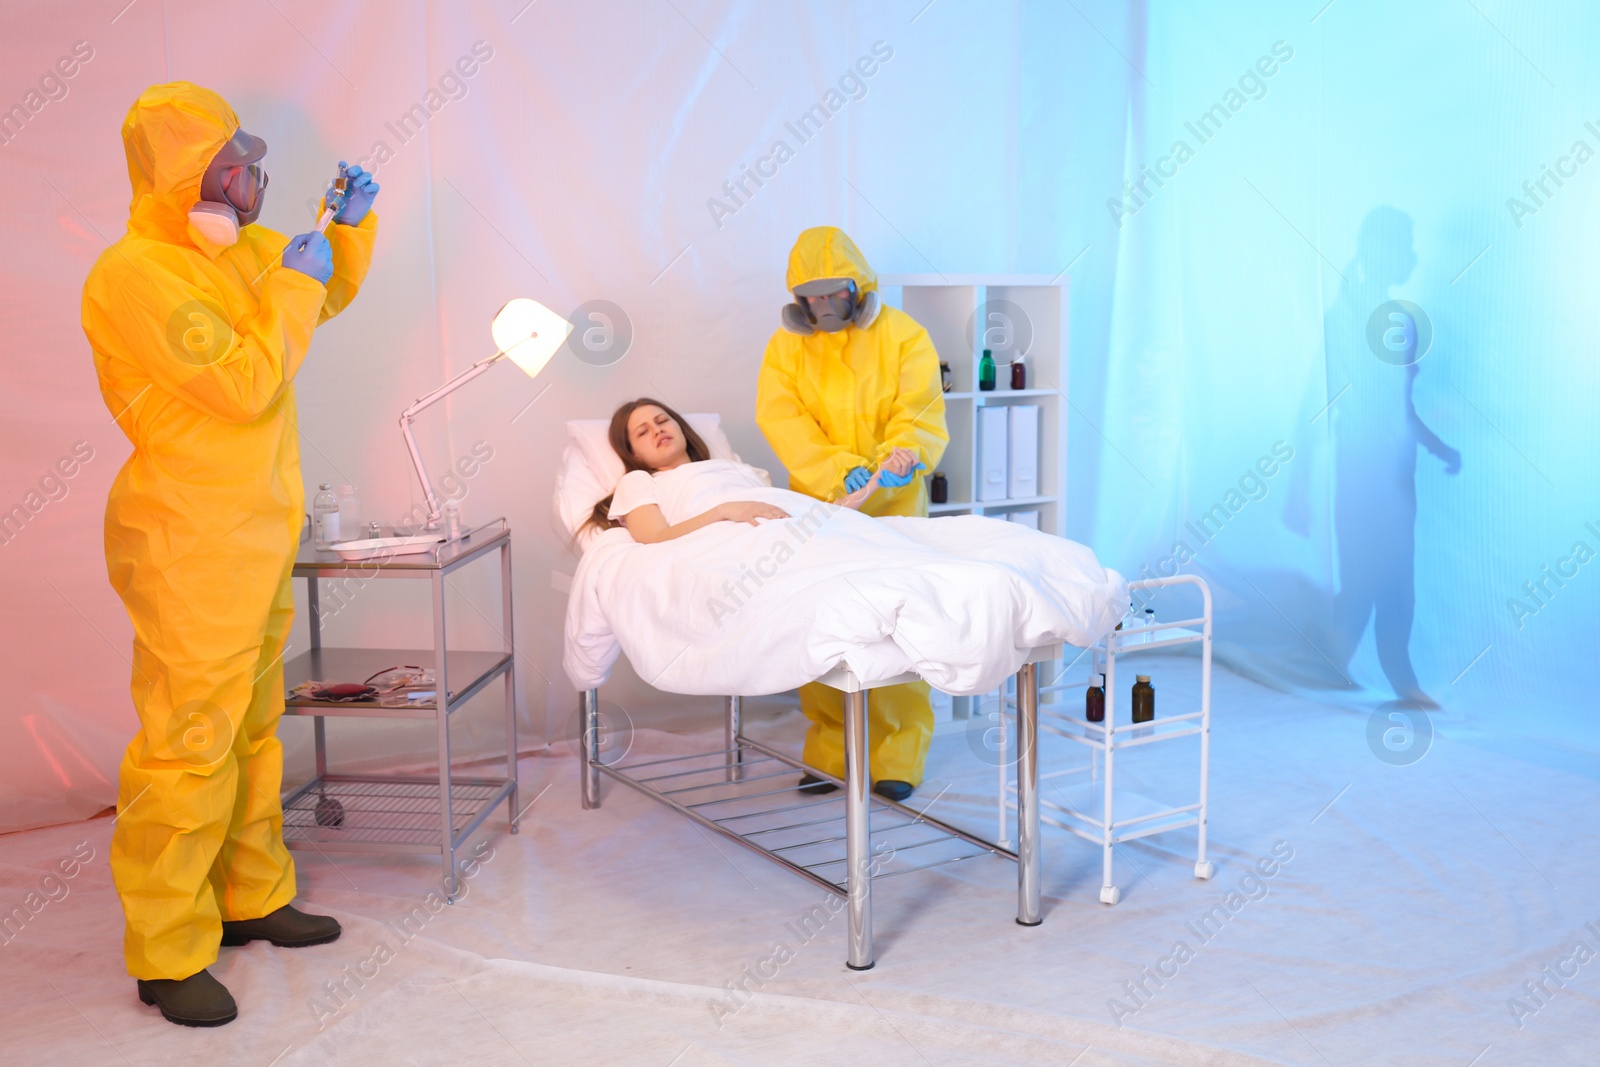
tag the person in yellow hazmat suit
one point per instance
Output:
(849, 386)
(198, 320)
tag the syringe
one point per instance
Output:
(335, 198)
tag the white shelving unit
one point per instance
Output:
(1010, 314)
(1092, 808)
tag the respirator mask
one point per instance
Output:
(232, 190)
(829, 305)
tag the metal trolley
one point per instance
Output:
(430, 814)
(1146, 817)
(745, 791)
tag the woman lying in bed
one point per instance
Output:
(671, 473)
(776, 588)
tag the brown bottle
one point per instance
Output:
(1094, 700)
(1144, 699)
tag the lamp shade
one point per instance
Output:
(529, 333)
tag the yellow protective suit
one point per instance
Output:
(196, 347)
(831, 402)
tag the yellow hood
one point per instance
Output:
(171, 134)
(828, 252)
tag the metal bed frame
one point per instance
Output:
(673, 783)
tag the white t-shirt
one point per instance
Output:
(690, 489)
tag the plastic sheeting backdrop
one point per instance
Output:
(1236, 197)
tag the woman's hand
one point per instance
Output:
(900, 461)
(747, 511)
(859, 497)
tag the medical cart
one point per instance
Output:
(1089, 808)
(428, 814)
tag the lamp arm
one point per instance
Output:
(410, 413)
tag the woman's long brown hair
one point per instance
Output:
(600, 518)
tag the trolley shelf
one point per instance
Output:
(477, 669)
(1126, 735)
(387, 813)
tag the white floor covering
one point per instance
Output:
(1418, 902)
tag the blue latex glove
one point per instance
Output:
(310, 254)
(856, 479)
(358, 198)
(890, 480)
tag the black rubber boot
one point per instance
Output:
(814, 786)
(890, 789)
(286, 928)
(198, 1000)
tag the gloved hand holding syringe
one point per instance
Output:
(348, 199)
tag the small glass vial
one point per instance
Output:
(938, 488)
(325, 518)
(452, 521)
(944, 376)
(986, 372)
(1019, 374)
(1094, 700)
(374, 531)
(349, 509)
(1144, 699)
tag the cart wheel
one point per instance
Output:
(1204, 870)
(1110, 894)
(330, 812)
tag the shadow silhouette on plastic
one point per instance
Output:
(1372, 346)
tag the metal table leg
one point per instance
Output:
(589, 747)
(1028, 795)
(441, 705)
(731, 730)
(511, 683)
(858, 830)
(319, 734)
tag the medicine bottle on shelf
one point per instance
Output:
(1019, 374)
(938, 488)
(1144, 699)
(986, 372)
(1094, 700)
(944, 375)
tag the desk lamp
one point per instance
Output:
(527, 333)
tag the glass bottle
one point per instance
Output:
(452, 521)
(1144, 699)
(1094, 700)
(349, 510)
(1150, 620)
(986, 372)
(325, 518)
(1019, 374)
(938, 488)
(944, 376)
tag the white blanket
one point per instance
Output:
(746, 610)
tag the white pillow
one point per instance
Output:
(590, 469)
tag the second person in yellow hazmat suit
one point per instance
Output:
(848, 386)
(199, 320)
